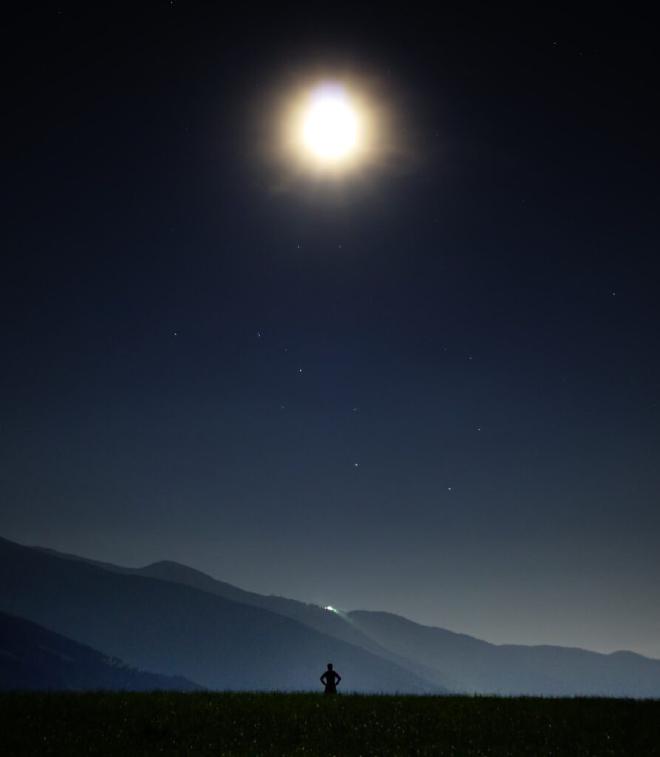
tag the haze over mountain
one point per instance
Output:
(274, 642)
(468, 664)
(32, 657)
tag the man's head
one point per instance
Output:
(329, 666)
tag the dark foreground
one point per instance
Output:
(309, 724)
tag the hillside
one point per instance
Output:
(32, 657)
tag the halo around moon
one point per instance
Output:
(334, 130)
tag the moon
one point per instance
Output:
(330, 129)
(330, 125)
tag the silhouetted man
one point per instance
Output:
(330, 679)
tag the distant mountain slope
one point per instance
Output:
(456, 661)
(331, 623)
(472, 665)
(32, 657)
(178, 630)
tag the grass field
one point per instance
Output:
(309, 724)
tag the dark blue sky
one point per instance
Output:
(433, 390)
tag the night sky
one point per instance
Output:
(431, 387)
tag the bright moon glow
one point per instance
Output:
(330, 608)
(330, 124)
(333, 129)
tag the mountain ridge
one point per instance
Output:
(443, 658)
(310, 614)
(178, 630)
(155, 570)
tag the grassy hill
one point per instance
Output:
(303, 724)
